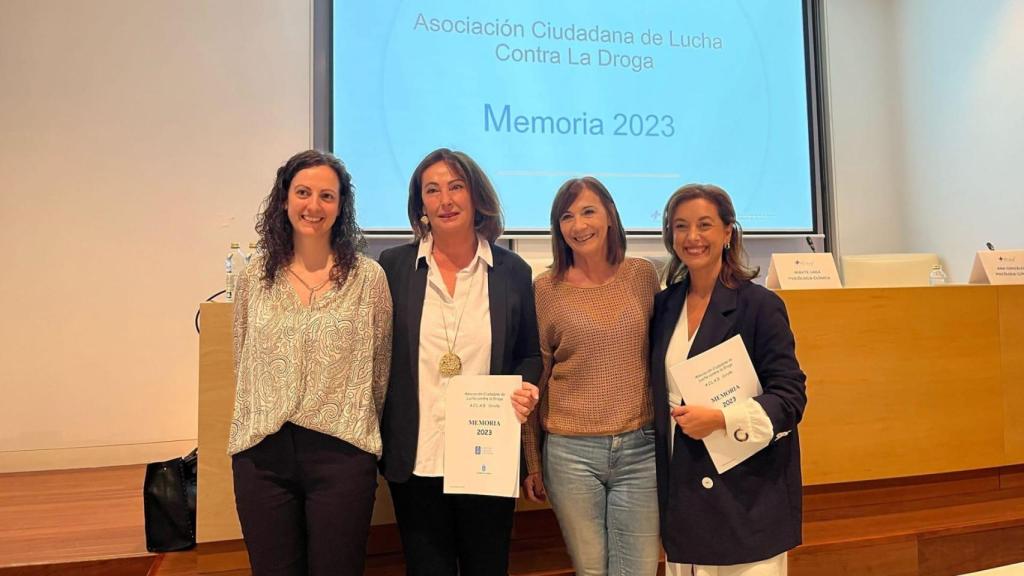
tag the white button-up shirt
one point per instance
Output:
(470, 340)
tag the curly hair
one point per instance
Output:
(276, 232)
(735, 268)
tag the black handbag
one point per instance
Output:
(169, 503)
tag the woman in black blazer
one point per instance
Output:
(462, 304)
(743, 521)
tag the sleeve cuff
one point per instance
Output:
(737, 422)
(748, 422)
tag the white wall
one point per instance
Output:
(963, 108)
(927, 126)
(136, 140)
(866, 133)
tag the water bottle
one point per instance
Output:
(229, 273)
(241, 253)
(937, 277)
(252, 252)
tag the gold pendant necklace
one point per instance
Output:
(450, 364)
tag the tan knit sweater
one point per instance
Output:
(594, 345)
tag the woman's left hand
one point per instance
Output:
(698, 421)
(524, 400)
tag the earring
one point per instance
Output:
(728, 246)
(424, 220)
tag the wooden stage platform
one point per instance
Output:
(90, 522)
(73, 522)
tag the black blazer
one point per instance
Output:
(514, 342)
(753, 511)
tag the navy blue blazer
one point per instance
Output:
(515, 348)
(753, 511)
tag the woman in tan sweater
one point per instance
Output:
(597, 463)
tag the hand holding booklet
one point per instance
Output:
(482, 436)
(718, 378)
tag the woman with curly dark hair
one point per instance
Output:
(277, 231)
(312, 342)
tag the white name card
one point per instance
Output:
(998, 267)
(808, 271)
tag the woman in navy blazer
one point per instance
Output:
(742, 521)
(454, 290)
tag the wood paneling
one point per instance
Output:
(537, 549)
(931, 525)
(1011, 477)
(176, 564)
(956, 522)
(216, 518)
(62, 516)
(129, 566)
(949, 555)
(901, 381)
(1011, 331)
(915, 402)
(890, 559)
(996, 512)
(216, 557)
(828, 498)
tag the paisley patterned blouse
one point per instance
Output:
(323, 367)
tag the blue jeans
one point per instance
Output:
(604, 491)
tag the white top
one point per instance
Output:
(471, 342)
(746, 416)
(324, 366)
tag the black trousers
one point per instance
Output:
(451, 534)
(305, 500)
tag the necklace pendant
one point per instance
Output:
(450, 365)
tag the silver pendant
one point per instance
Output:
(450, 365)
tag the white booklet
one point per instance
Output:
(482, 436)
(717, 378)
